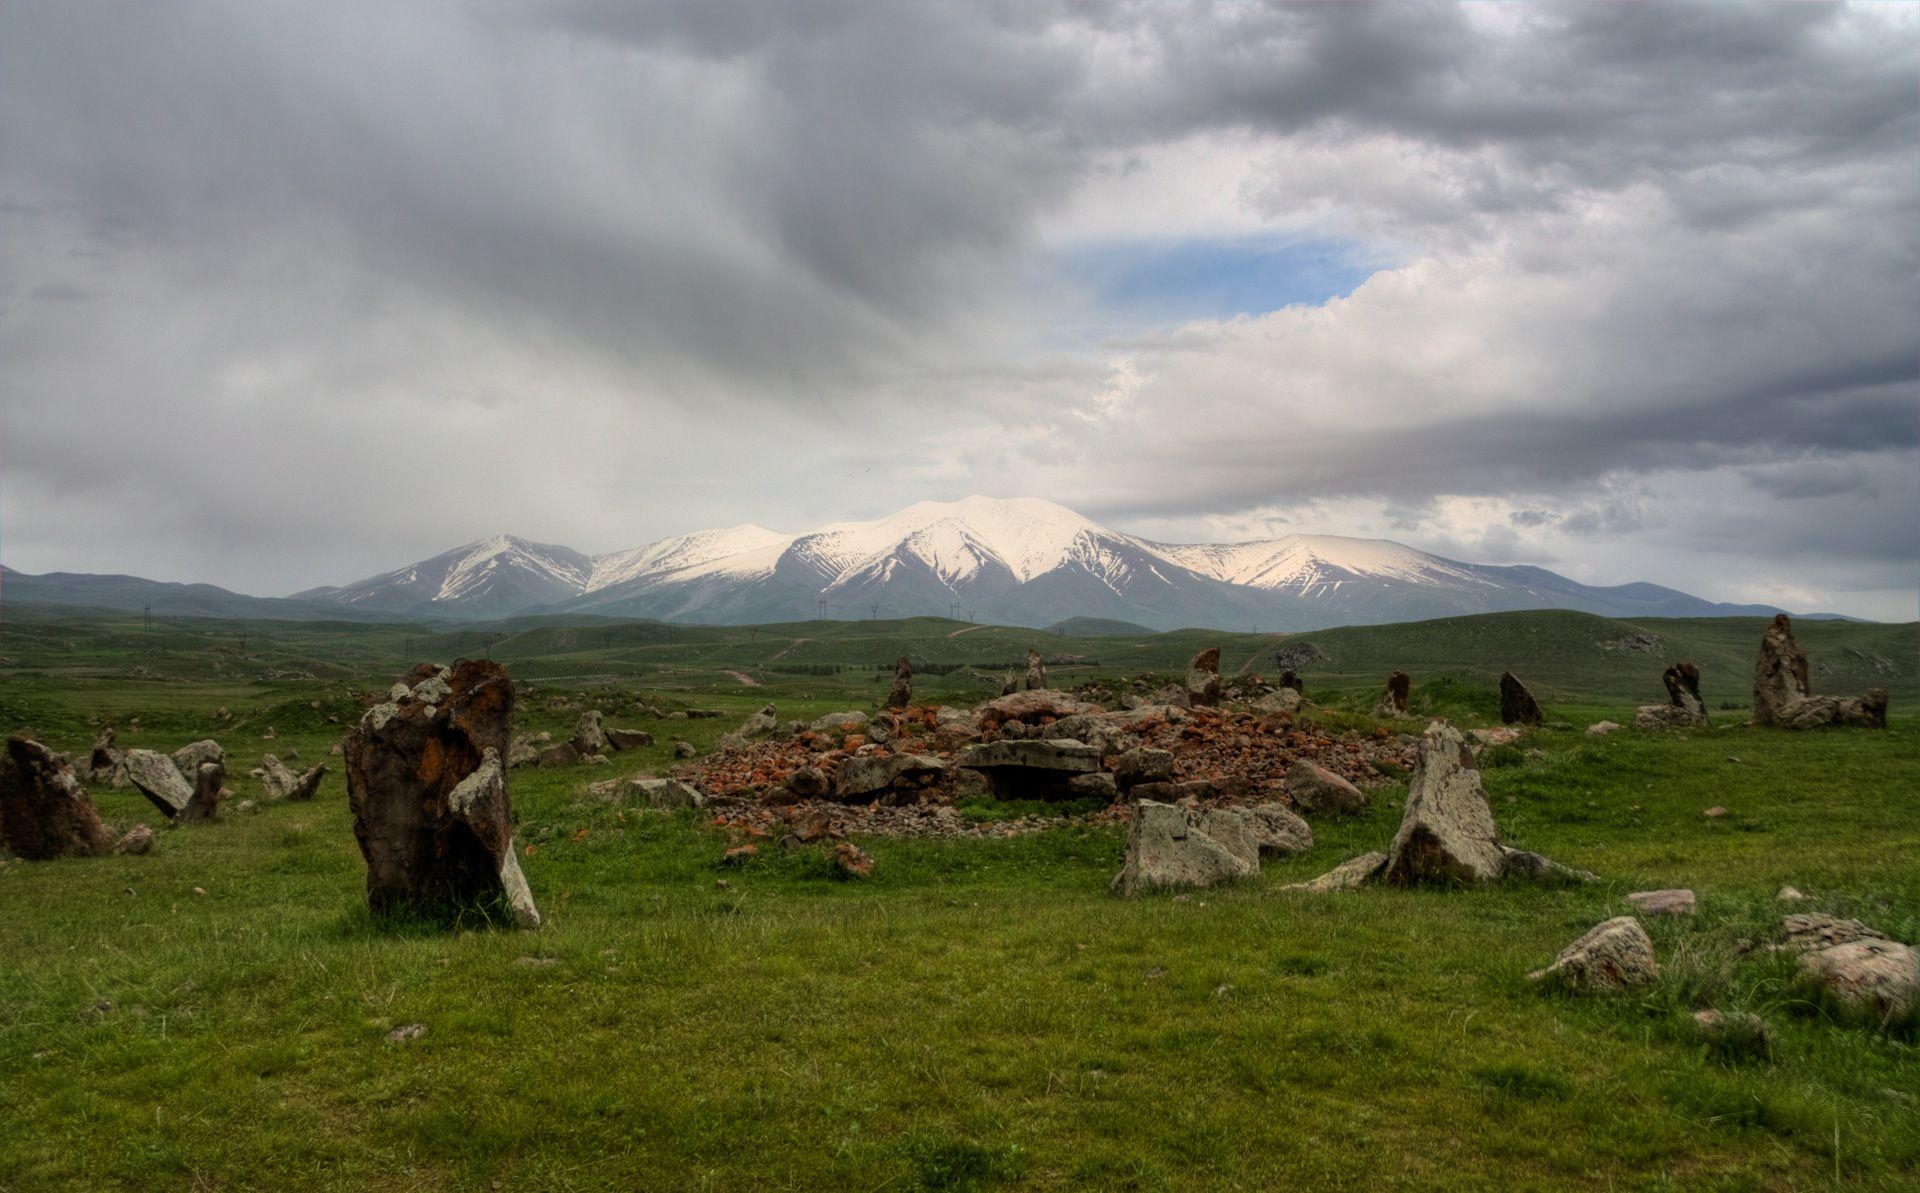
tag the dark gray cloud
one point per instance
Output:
(264, 268)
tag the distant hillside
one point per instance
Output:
(1096, 627)
(133, 593)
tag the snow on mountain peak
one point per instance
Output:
(736, 551)
(955, 539)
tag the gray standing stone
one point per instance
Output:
(155, 776)
(1447, 833)
(589, 737)
(1036, 671)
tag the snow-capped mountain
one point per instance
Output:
(1021, 562)
(490, 578)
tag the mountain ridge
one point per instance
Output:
(1017, 561)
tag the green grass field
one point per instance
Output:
(979, 1014)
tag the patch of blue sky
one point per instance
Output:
(1173, 281)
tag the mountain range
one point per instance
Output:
(1007, 561)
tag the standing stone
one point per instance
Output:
(1167, 849)
(1394, 702)
(44, 811)
(1779, 672)
(588, 737)
(1684, 707)
(1447, 833)
(1314, 788)
(1615, 955)
(1203, 679)
(1783, 696)
(307, 783)
(155, 776)
(901, 694)
(1517, 705)
(427, 786)
(275, 779)
(209, 788)
(103, 761)
(1036, 671)
(1289, 680)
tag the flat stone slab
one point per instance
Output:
(1061, 755)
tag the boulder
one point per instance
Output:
(1671, 902)
(1031, 706)
(839, 724)
(589, 737)
(1036, 672)
(808, 782)
(1142, 764)
(1615, 955)
(1315, 789)
(523, 751)
(901, 693)
(1276, 830)
(155, 776)
(1203, 679)
(307, 783)
(135, 841)
(45, 812)
(1517, 705)
(758, 724)
(1098, 785)
(1738, 1034)
(1447, 832)
(1394, 702)
(189, 757)
(684, 749)
(1283, 699)
(275, 778)
(1813, 931)
(427, 787)
(1875, 978)
(864, 776)
(562, 754)
(1782, 694)
(1167, 849)
(628, 739)
(851, 861)
(1293, 683)
(1347, 876)
(665, 794)
(1602, 728)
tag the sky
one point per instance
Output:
(292, 294)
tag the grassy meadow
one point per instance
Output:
(979, 1014)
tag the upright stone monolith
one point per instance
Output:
(427, 785)
(1782, 693)
(901, 694)
(1394, 702)
(1036, 671)
(1203, 679)
(1447, 833)
(1517, 705)
(1684, 707)
(44, 811)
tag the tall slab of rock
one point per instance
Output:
(1394, 702)
(901, 693)
(1203, 679)
(1167, 849)
(1447, 833)
(103, 760)
(427, 786)
(1036, 671)
(44, 811)
(1517, 705)
(157, 777)
(1782, 693)
(589, 737)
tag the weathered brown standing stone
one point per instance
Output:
(44, 811)
(1684, 707)
(1036, 671)
(1517, 705)
(427, 785)
(1394, 703)
(103, 761)
(901, 694)
(1783, 696)
(1779, 672)
(1203, 679)
(1290, 680)
(209, 788)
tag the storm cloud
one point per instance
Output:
(293, 293)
